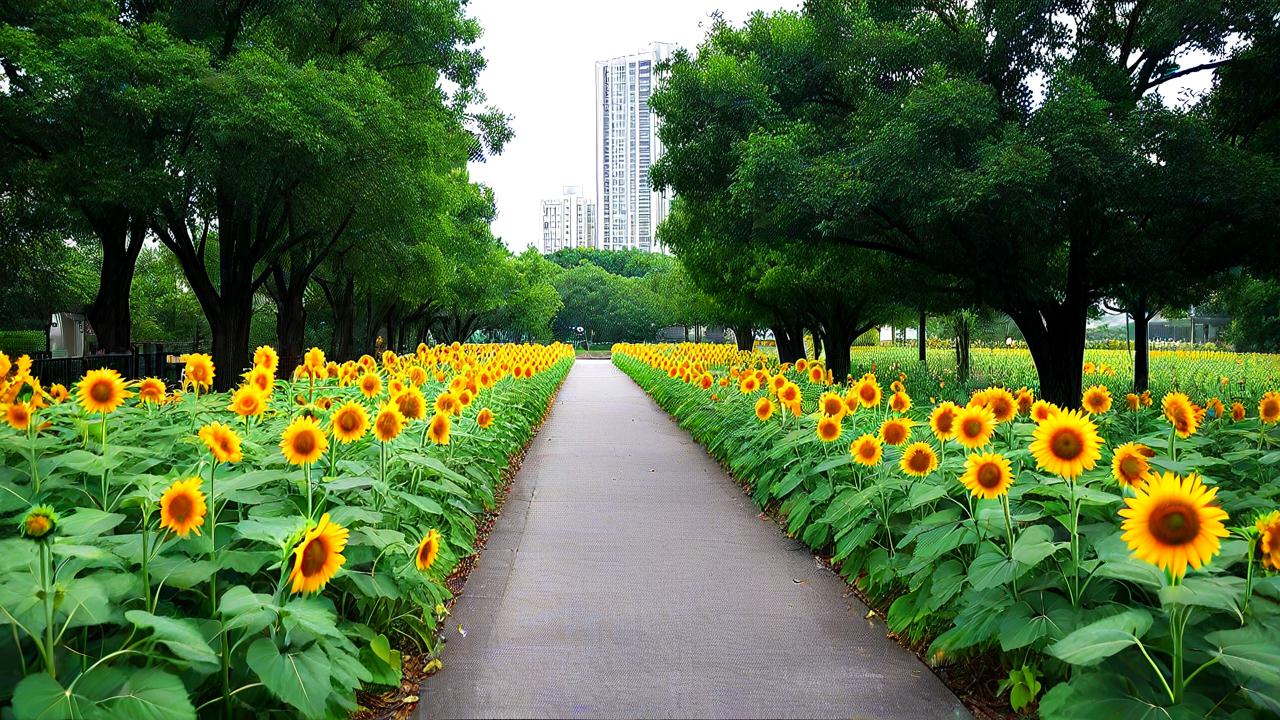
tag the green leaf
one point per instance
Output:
(300, 678)
(314, 615)
(991, 569)
(87, 523)
(241, 608)
(274, 531)
(1219, 593)
(151, 694)
(425, 504)
(1101, 639)
(181, 637)
(1033, 545)
(1249, 652)
(40, 697)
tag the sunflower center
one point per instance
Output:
(945, 421)
(867, 450)
(304, 443)
(101, 391)
(224, 444)
(1067, 444)
(314, 556)
(424, 555)
(894, 434)
(828, 429)
(1272, 542)
(1270, 408)
(180, 507)
(972, 427)
(918, 461)
(1131, 467)
(989, 475)
(1174, 523)
(868, 393)
(348, 422)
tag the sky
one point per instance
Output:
(541, 61)
(541, 70)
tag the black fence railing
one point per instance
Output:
(147, 361)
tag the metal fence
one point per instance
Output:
(148, 361)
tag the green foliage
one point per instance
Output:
(608, 307)
(627, 263)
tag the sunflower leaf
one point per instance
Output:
(1101, 639)
(300, 677)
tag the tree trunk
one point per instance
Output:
(963, 329)
(920, 337)
(342, 301)
(744, 335)
(291, 322)
(1055, 337)
(1141, 346)
(790, 342)
(839, 361)
(230, 330)
(121, 238)
(817, 343)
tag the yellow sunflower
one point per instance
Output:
(749, 385)
(1025, 399)
(484, 418)
(1269, 539)
(439, 429)
(18, 415)
(1180, 413)
(900, 402)
(389, 422)
(1171, 522)
(1001, 403)
(789, 394)
(942, 421)
(832, 405)
(1129, 464)
(465, 396)
(1237, 411)
(318, 557)
(222, 441)
(1042, 410)
(370, 384)
(896, 430)
(1132, 401)
(101, 391)
(1096, 400)
(411, 403)
(151, 391)
(349, 422)
(866, 450)
(427, 550)
(764, 409)
(1269, 408)
(1066, 444)
(266, 358)
(303, 442)
(918, 460)
(247, 401)
(828, 429)
(58, 393)
(182, 507)
(199, 371)
(261, 378)
(868, 391)
(975, 425)
(315, 362)
(446, 402)
(987, 476)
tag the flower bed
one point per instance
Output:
(177, 552)
(1118, 560)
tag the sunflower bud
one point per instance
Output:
(39, 523)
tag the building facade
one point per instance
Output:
(568, 221)
(627, 145)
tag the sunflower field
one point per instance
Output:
(1116, 559)
(174, 553)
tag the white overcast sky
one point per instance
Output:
(541, 60)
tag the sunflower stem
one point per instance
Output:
(306, 471)
(46, 587)
(1075, 546)
(106, 472)
(1008, 526)
(213, 539)
(1248, 576)
(146, 575)
(35, 471)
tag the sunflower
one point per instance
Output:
(918, 460)
(706, 381)
(484, 418)
(1002, 404)
(1132, 401)
(1269, 408)
(764, 409)
(896, 430)
(977, 399)
(942, 421)
(1096, 400)
(1042, 410)
(349, 422)
(749, 385)
(1129, 464)
(370, 384)
(817, 375)
(866, 450)
(777, 382)
(303, 442)
(199, 371)
(1088, 368)
(832, 405)
(182, 507)
(39, 522)
(1269, 539)
(801, 364)
(868, 391)
(315, 362)
(1066, 444)
(1237, 411)
(974, 425)
(18, 415)
(101, 391)
(388, 423)
(1025, 399)
(222, 441)
(1180, 413)
(58, 393)
(261, 378)
(417, 375)
(789, 394)
(1215, 408)
(266, 358)
(319, 555)
(987, 476)
(247, 401)
(427, 550)
(151, 391)
(828, 429)
(411, 403)
(1171, 523)
(900, 402)
(438, 431)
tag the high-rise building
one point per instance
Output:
(627, 145)
(568, 221)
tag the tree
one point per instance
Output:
(915, 131)
(608, 307)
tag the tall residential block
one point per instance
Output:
(568, 221)
(627, 145)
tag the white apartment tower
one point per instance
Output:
(568, 221)
(626, 146)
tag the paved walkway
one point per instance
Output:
(628, 576)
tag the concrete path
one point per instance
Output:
(629, 576)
